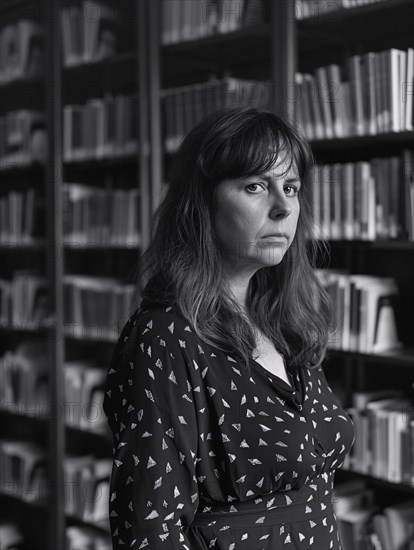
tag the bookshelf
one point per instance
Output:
(86, 159)
(324, 39)
(85, 172)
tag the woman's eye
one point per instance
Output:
(294, 188)
(253, 185)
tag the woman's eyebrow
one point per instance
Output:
(270, 179)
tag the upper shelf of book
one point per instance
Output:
(215, 53)
(379, 25)
(370, 27)
(383, 18)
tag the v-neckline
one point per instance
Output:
(276, 377)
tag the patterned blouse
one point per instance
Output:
(206, 455)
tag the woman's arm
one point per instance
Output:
(151, 411)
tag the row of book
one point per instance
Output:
(364, 525)
(21, 218)
(96, 307)
(364, 309)
(23, 472)
(384, 435)
(77, 537)
(94, 216)
(84, 393)
(21, 50)
(316, 8)
(90, 32)
(86, 482)
(183, 20)
(23, 138)
(24, 299)
(184, 106)
(86, 479)
(365, 103)
(366, 200)
(369, 95)
(408, 157)
(24, 386)
(100, 128)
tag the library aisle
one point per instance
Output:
(95, 98)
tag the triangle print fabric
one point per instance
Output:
(207, 456)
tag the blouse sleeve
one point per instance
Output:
(154, 490)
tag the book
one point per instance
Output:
(24, 374)
(87, 537)
(352, 527)
(401, 523)
(86, 486)
(83, 384)
(11, 537)
(96, 307)
(24, 468)
(21, 50)
(23, 138)
(89, 32)
(102, 127)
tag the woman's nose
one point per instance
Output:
(281, 208)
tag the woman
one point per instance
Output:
(226, 433)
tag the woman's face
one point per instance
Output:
(249, 209)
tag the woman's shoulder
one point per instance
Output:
(161, 318)
(164, 322)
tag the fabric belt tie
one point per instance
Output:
(275, 515)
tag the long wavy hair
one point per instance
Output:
(183, 265)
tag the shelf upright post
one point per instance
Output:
(154, 102)
(56, 531)
(143, 123)
(283, 58)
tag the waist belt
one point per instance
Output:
(248, 515)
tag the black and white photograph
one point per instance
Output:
(207, 275)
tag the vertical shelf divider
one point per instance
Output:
(283, 57)
(154, 102)
(145, 145)
(56, 530)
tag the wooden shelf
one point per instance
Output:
(34, 246)
(102, 163)
(404, 487)
(401, 358)
(380, 245)
(11, 168)
(380, 24)
(97, 247)
(24, 328)
(95, 339)
(195, 60)
(126, 59)
(35, 506)
(388, 138)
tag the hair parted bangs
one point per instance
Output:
(253, 148)
(182, 266)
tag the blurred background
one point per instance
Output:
(95, 97)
